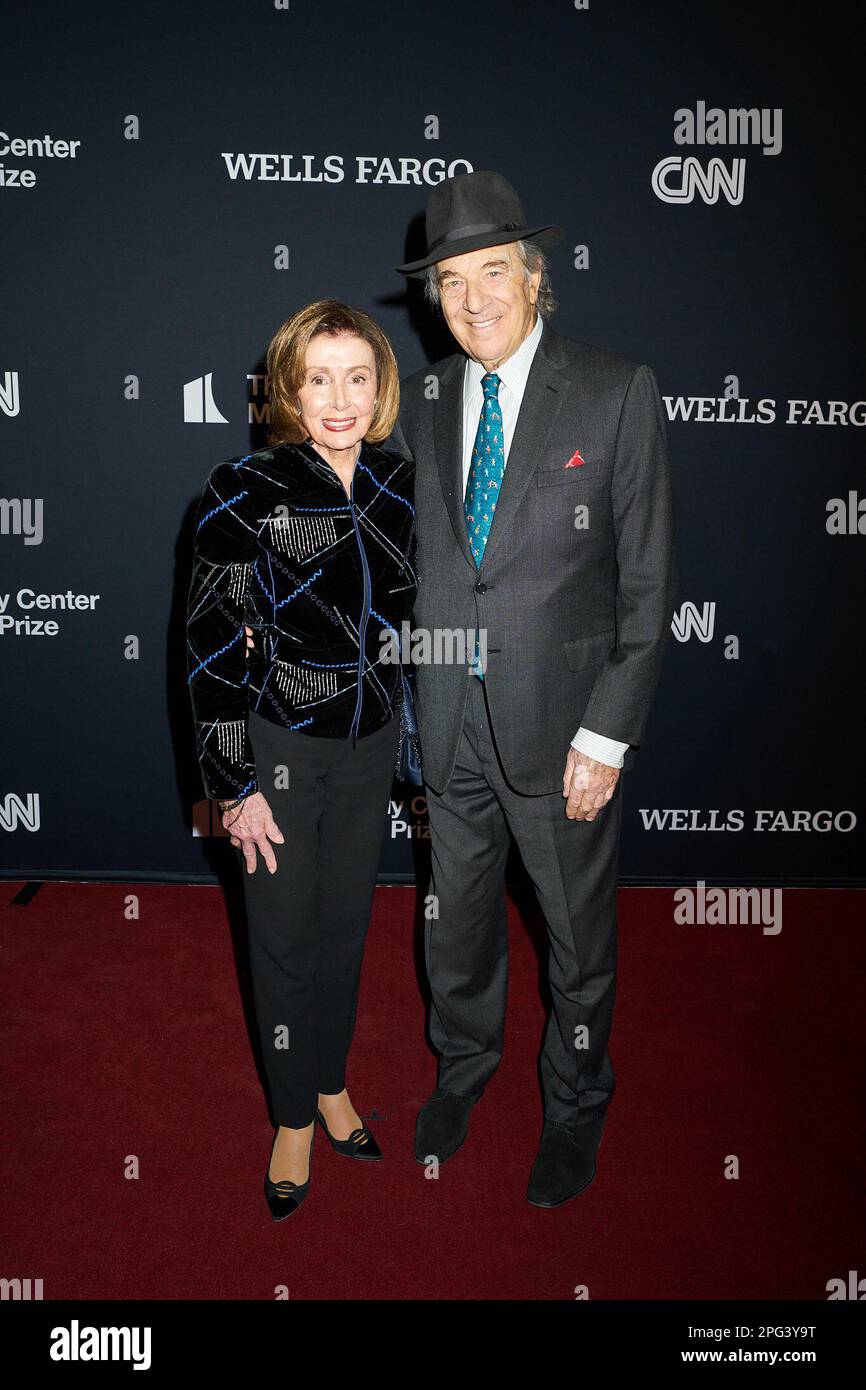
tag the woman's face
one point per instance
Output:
(338, 394)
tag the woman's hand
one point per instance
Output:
(252, 824)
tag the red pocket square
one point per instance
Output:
(575, 461)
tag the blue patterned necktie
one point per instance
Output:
(485, 478)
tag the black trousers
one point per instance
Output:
(308, 921)
(573, 867)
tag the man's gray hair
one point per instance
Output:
(532, 257)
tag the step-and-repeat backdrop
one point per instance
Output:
(175, 180)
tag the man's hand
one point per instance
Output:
(251, 824)
(587, 785)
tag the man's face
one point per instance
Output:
(488, 301)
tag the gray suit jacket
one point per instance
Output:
(576, 604)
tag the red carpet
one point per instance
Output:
(129, 1038)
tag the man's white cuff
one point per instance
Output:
(603, 750)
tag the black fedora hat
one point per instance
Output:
(470, 211)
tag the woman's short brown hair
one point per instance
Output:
(286, 359)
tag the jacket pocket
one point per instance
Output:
(587, 474)
(589, 651)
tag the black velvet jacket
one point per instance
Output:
(279, 546)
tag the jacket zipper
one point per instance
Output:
(365, 613)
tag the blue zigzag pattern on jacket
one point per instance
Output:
(303, 605)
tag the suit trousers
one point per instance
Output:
(573, 866)
(308, 921)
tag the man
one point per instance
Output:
(545, 527)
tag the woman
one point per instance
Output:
(311, 541)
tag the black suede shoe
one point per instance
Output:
(564, 1164)
(285, 1197)
(443, 1122)
(360, 1143)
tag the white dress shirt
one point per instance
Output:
(512, 374)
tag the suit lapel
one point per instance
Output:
(543, 398)
(448, 431)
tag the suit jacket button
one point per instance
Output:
(480, 587)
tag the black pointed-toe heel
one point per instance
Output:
(286, 1196)
(360, 1143)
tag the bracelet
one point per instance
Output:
(230, 805)
(231, 822)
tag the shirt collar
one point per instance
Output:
(514, 368)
